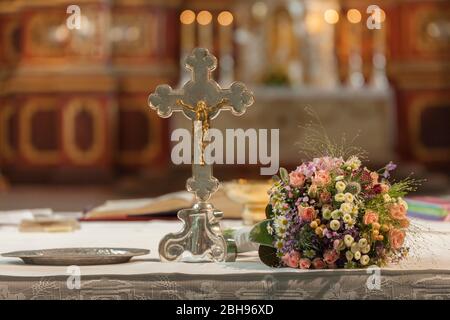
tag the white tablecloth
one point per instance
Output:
(426, 273)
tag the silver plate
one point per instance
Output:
(77, 256)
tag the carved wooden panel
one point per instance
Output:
(142, 134)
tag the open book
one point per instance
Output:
(165, 206)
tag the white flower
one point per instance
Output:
(336, 214)
(357, 255)
(347, 218)
(340, 186)
(326, 214)
(279, 244)
(335, 225)
(362, 242)
(346, 207)
(348, 240)
(269, 229)
(348, 197)
(339, 178)
(353, 162)
(365, 260)
(386, 197)
(349, 255)
(339, 197)
(355, 210)
(354, 247)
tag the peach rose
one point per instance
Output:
(307, 214)
(325, 197)
(304, 263)
(398, 211)
(321, 178)
(370, 217)
(296, 179)
(330, 256)
(384, 188)
(396, 238)
(318, 263)
(404, 223)
(291, 259)
(374, 177)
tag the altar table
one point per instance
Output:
(424, 275)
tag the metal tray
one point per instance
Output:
(77, 256)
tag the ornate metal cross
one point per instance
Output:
(200, 99)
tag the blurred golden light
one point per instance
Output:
(331, 16)
(225, 18)
(314, 22)
(354, 16)
(259, 10)
(187, 17)
(204, 17)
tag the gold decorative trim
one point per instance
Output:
(75, 154)
(419, 149)
(154, 146)
(48, 157)
(7, 151)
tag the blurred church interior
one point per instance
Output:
(76, 129)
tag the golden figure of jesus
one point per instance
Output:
(203, 113)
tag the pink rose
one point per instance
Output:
(398, 211)
(325, 197)
(291, 259)
(396, 238)
(330, 256)
(296, 179)
(370, 217)
(318, 263)
(321, 178)
(307, 214)
(305, 263)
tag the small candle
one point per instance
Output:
(204, 19)
(187, 19)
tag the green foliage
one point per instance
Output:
(269, 212)
(284, 175)
(306, 237)
(259, 234)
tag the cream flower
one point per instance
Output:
(365, 249)
(364, 260)
(326, 214)
(349, 197)
(335, 225)
(339, 197)
(346, 207)
(336, 214)
(340, 186)
(348, 240)
(362, 242)
(349, 255)
(357, 255)
(354, 247)
(386, 198)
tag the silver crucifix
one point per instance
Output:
(200, 99)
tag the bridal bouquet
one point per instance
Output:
(334, 213)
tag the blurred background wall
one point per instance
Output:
(73, 103)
